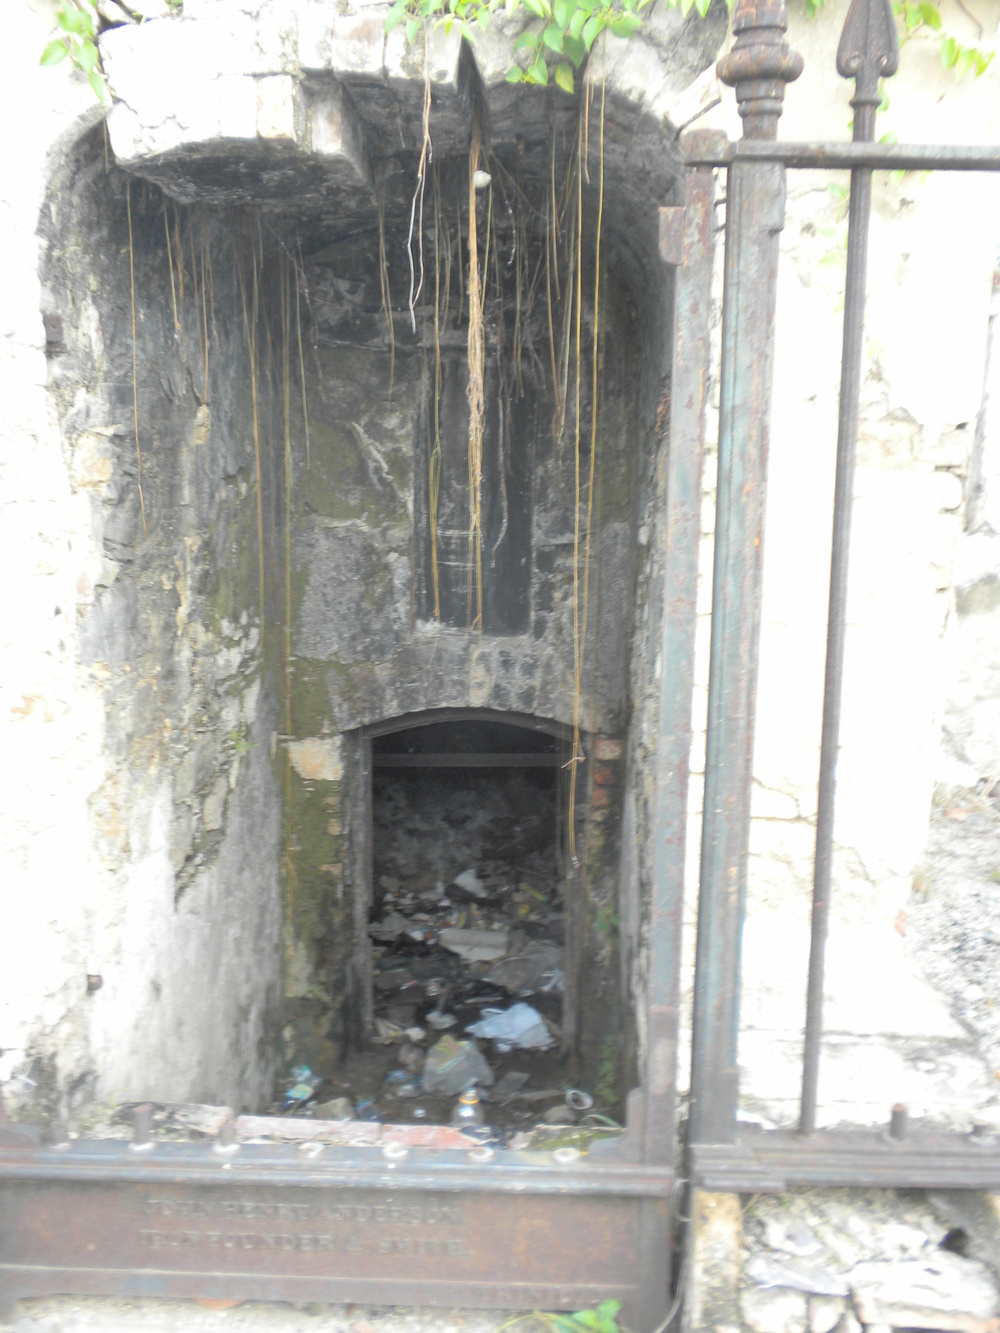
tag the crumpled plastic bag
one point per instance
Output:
(452, 1066)
(520, 1028)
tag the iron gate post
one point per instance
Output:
(759, 66)
(868, 52)
(686, 244)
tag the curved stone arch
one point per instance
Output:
(225, 102)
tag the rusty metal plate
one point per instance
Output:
(271, 1225)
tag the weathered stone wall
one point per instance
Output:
(185, 820)
(271, 592)
(133, 777)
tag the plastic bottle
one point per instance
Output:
(468, 1110)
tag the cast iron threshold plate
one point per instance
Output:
(401, 1215)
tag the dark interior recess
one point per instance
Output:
(450, 798)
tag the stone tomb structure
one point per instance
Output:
(277, 470)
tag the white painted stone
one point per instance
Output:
(276, 107)
(941, 1291)
(149, 9)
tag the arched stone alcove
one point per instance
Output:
(277, 580)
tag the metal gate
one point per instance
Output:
(418, 1215)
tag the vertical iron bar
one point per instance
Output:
(759, 66)
(868, 51)
(686, 243)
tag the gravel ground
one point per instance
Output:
(953, 921)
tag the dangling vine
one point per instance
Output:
(475, 394)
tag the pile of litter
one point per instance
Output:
(468, 959)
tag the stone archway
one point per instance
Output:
(253, 620)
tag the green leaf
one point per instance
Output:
(983, 59)
(537, 7)
(54, 52)
(624, 26)
(560, 12)
(553, 38)
(590, 29)
(412, 28)
(578, 19)
(97, 83)
(563, 75)
(609, 1309)
(930, 14)
(966, 60)
(86, 57)
(514, 75)
(531, 39)
(538, 73)
(395, 15)
(949, 52)
(575, 49)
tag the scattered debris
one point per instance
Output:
(796, 1275)
(475, 946)
(519, 1028)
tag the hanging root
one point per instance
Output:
(135, 389)
(250, 329)
(205, 269)
(302, 363)
(434, 468)
(475, 395)
(170, 262)
(417, 204)
(383, 277)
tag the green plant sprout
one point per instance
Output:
(919, 15)
(559, 44)
(78, 20)
(603, 1318)
(240, 743)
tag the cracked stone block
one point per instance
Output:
(276, 107)
(359, 45)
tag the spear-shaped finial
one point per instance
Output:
(868, 52)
